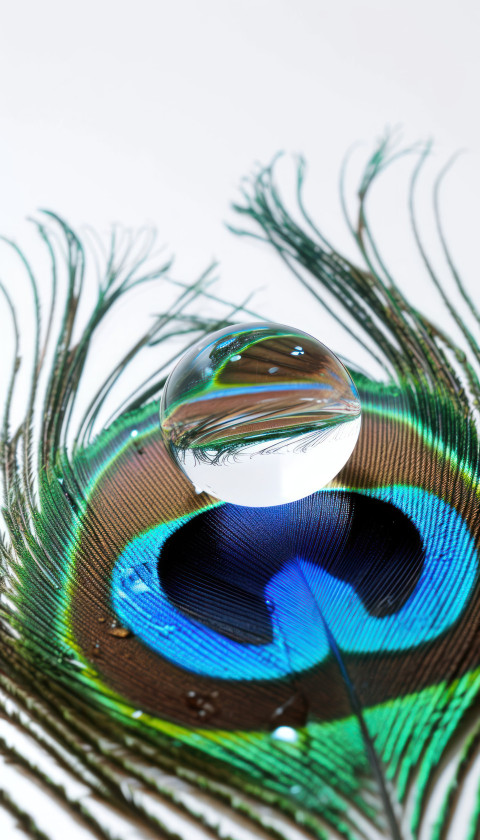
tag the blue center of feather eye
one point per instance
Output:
(274, 622)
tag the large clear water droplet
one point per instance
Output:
(260, 414)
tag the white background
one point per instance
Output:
(152, 111)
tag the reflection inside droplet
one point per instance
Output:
(260, 414)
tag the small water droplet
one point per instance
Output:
(136, 581)
(235, 358)
(191, 699)
(72, 661)
(285, 734)
(137, 714)
(95, 649)
(292, 713)
(204, 705)
(134, 433)
(119, 632)
(137, 586)
(167, 629)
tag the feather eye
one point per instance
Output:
(322, 656)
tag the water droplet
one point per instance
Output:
(253, 439)
(119, 632)
(166, 629)
(203, 705)
(292, 713)
(72, 661)
(137, 714)
(137, 581)
(285, 734)
(134, 433)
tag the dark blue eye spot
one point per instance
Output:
(244, 594)
(216, 568)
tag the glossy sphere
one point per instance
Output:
(260, 414)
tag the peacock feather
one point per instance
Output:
(173, 666)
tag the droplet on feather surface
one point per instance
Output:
(260, 414)
(286, 734)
